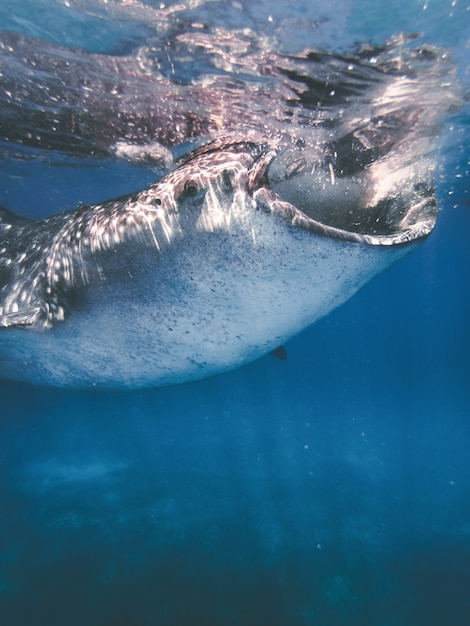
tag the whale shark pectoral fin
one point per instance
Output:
(22, 301)
(279, 353)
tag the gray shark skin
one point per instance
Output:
(251, 238)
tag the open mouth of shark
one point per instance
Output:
(366, 208)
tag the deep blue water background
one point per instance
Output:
(329, 489)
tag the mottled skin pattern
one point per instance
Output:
(38, 270)
(41, 261)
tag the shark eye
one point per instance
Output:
(190, 188)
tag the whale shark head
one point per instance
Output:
(343, 190)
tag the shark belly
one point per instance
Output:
(218, 300)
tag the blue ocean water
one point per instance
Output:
(325, 490)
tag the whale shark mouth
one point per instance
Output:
(382, 204)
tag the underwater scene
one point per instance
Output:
(229, 397)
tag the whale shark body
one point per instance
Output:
(250, 238)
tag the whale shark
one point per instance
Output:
(206, 270)
(260, 229)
